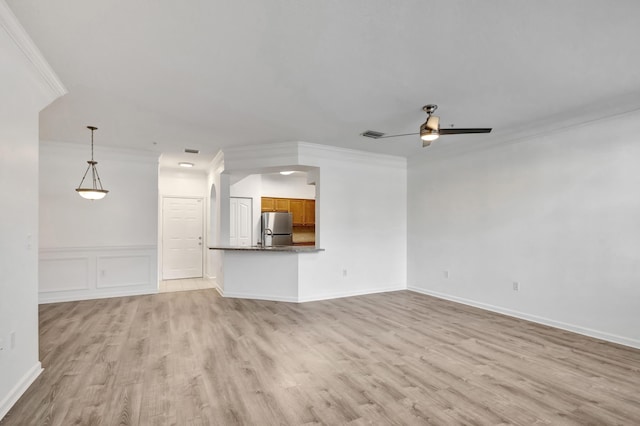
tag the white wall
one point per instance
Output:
(291, 186)
(361, 223)
(104, 248)
(182, 183)
(559, 214)
(27, 85)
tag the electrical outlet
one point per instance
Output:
(103, 272)
(1, 344)
(446, 274)
(13, 339)
(516, 286)
(344, 272)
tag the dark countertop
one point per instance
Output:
(286, 249)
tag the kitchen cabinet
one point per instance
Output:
(270, 204)
(303, 211)
(309, 212)
(296, 207)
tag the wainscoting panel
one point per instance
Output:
(123, 271)
(81, 273)
(63, 274)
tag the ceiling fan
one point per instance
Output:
(430, 129)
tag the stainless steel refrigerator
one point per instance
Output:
(279, 226)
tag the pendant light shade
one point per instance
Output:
(96, 191)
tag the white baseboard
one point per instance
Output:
(342, 294)
(314, 298)
(72, 297)
(20, 388)
(81, 273)
(258, 297)
(534, 318)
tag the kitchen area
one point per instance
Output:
(266, 196)
(332, 200)
(272, 219)
(288, 216)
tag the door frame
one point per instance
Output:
(161, 231)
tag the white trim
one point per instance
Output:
(329, 296)
(313, 150)
(49, 80)
(342, 294)
(58, 298)
(95, 248)
(258, 297)
(129, 285)
(534, 318)
(20, 388)
(218, 289)
(528, 135)
(106, 152)
(276, 155)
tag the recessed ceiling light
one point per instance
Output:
(287, 172)
(185, 164)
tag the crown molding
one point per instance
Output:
(105, 152)
(51, 84)
(285, 154)
(335, 153)
(532, 134)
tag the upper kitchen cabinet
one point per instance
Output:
(303, 211)
(270, 204)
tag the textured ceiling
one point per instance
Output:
(207, 74)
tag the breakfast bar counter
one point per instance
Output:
(278, 273)
(287, 249)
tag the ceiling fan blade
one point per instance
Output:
(389, 136)
(456, 131)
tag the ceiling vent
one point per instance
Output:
(372, 134)
(192, 151)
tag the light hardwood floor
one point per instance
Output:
(194, 358)
(186, 284)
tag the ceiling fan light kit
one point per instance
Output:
(96, 191)
(429, 131)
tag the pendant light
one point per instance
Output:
(95, 192)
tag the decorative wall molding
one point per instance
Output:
(50, 82)
(63, 274)
(80, 273)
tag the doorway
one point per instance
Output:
(182, 228)
(241, 221)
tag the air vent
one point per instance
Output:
(192, 151)
(372, 134)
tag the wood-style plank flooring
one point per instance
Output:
(194, 358)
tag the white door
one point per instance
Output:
(181, 238)
(241, 222)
